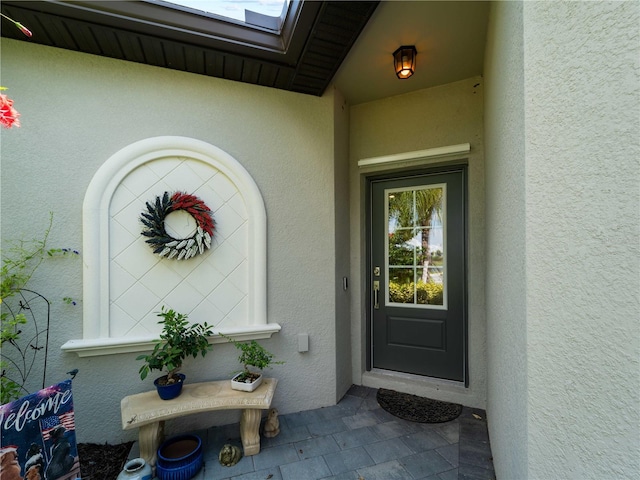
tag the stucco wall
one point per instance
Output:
(506, 241)
(77, 110)
(563, 125)
(582, 135)
(430, 118)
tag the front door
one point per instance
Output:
(417, 278)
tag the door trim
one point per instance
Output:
(438, 152)
(369, 178)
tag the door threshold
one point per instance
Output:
(435, 388)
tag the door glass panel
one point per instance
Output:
(415, 246)
(399, 281)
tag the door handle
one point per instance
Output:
(376, 292)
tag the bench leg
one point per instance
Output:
(149, 438)
(249, 431)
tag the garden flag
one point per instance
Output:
(39, 436)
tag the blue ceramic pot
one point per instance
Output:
(179, 458)
(167, 392)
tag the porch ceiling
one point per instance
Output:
(450, 38)
(349, 43)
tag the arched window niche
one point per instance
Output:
(125, 284)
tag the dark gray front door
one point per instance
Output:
(417, 278)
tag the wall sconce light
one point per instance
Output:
(404, 61)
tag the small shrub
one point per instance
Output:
(178, 340)
(252, 354)
(428, 293)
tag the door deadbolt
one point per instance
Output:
(376, 271)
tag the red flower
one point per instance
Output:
(24, 29)
(8, 114)
(18, 25)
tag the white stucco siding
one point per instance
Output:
(506, 241)
(563, 130)
(582, 137)
(430, 118)
(78, 110)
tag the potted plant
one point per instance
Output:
(255, 359)
(179, 340)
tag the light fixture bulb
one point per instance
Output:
(404, 61)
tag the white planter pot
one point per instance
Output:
(136, 469)
(245, 387)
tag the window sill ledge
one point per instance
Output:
(93, 347)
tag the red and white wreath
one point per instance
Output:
(181, 248)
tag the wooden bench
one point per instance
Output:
(148, 412)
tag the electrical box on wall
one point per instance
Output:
(303, 342)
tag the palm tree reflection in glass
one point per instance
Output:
(416, 245)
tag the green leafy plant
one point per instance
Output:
(428, 293)
(179, 340)
(20, 260)
(252, 354)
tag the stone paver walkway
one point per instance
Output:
(357, 440)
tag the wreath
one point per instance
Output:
(164, 244)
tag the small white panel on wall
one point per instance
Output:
(126, 283)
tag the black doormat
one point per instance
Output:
(417, 409)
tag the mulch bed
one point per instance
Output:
(417, 409)
(102, 461)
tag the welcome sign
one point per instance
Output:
(38, 436)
